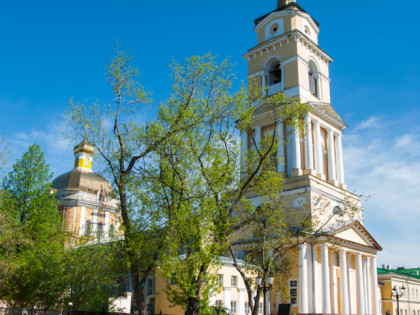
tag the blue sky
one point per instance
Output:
(55, 50)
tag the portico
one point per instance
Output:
(342, 279)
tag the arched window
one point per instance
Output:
(100, 229)
(88, 228)
(274, 73)
(313, 79)
(111, 230)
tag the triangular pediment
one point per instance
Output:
(353, 236)
(356, 233)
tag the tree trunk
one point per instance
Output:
(193, 307)
(139, 292)
(138, 288)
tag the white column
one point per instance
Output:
(297, 163)
(360, 287)
(340, 164)
(82, 220)
(344, 284)
(315, 289)
(267, 299)
(334, 304)
(226, 296)
(303, 279)
(281, 161)
(350, 288)
(212, 299)
(331, 156)
(326, 296)
(263, 86)
(241, 302)
(318, 85)
(369, 286)
(278, 301)
(308, 144)
(258, 136)
(74, 219)
(95, 220)
(244, 146)
(376, 309)
(318, 148)
(107, 224)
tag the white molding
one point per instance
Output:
(270, 59)
(280, 31)
(289, 60)
(287, 13)
(258, 73)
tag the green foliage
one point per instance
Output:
(178, 177)
(32, 253)
(92, 273)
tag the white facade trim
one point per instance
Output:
(287, 13)
(296, 35)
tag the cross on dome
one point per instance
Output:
(282, 3)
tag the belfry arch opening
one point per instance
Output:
(274, 72)
(313, 79)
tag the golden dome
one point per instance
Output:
(84, 147)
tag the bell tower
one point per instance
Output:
(329, 277)
(287, 59)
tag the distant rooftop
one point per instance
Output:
(410, 272)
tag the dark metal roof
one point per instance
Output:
(81, 180)
(287, 6)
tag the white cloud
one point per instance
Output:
(382, 159)
(372, 122)
(58, 152)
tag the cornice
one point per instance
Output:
(294, 35)
(339, 124)
(287, 13)
(87, 204)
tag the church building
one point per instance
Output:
(336, 272)
(88, 209)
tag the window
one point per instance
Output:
(88, 228)
(220, 279)
(313, 79)
(172, 280)
(293, 291)
(219, 303)
(111, 231)
(150, 286)
(417, 293)
(100, 229)
(233, 307)
(234, 281)
(240, 254)
(274, 28)
(260, 308)
(247, 308)
(274, 73)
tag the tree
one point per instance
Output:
(177, 177)
(32, 249)
(126, 148)
(196, 182)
